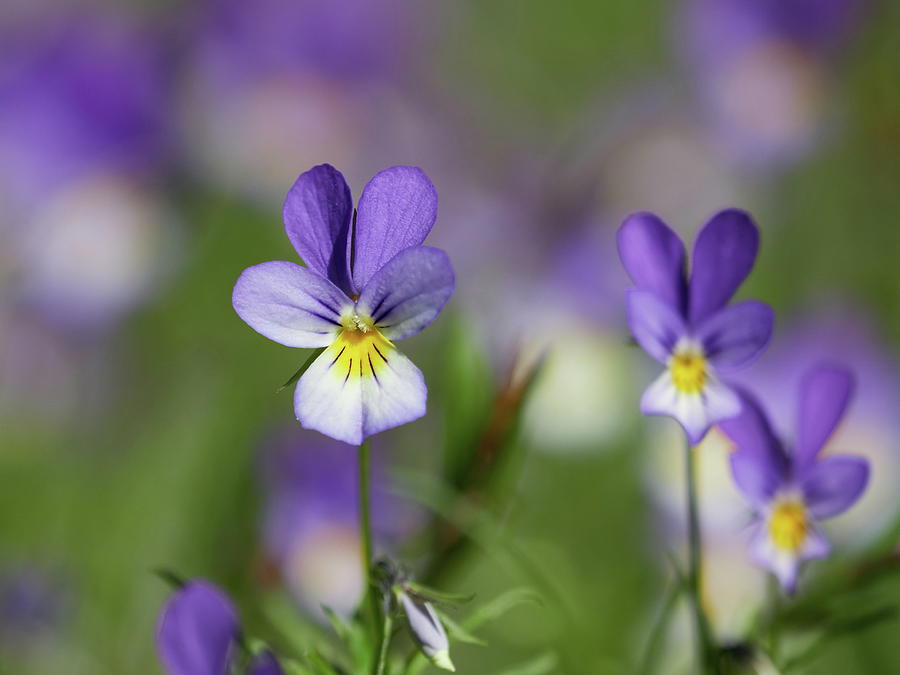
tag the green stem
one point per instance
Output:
(655, 641)
(365, 536)
(381, 664)
(365, 524)
(705, 647)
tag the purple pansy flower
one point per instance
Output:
(368, 282)
(688, 325)
(792, 491)
(198, 634)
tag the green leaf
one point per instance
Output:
(175, 580)
(457, 632)
(302, 369)
(434, 595)
(353, 635)
(320, 665)
(500, 605)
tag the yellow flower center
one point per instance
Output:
(688, 368)
(360, 350)
(788, 526)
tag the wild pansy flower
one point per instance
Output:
(198, 634)
(842, 334)
(791, 491)
(687, 324)
(368, 283)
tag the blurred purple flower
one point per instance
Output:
(32, 605)
(85, 128)
(842, 335)
(352, 39)
(687, 325)
(79, 92)
(792, 491)
(198, 634)
(369, 282)
(278, 80)
(310, 525)
(762, 68)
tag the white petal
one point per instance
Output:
(357, 388)
(696, 412)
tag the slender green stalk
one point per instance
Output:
(386, 630)
(705, 646)
(365, 521)
(657, 633)
(365, 535)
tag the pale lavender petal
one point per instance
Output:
(734, 336)
(265, 664)
(397, 210)
(833, 484)
(724, 254)
(317, 212)
(654, 324)
(354, 390)
(696, 413)
(653, 256)
(824, 394)
(758, 463)
(408, 293)
(289, 304)
(197, 631)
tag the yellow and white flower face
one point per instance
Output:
(690, 391)
(360, 349)
(788, 525)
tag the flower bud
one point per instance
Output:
(427, 631)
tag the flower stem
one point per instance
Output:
(386, 629)
(705, 647)
(370, 597)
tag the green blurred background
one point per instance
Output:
(133, 442)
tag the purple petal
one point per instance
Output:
(653, 323)
(824, 395)
(653, 256)
(317, 214)
(723, 257)
(197, 631)
(736, 335)
(759, 465)
(408, 293)
(265, 664)
(397, 210)
(833, 484)
(289, 304)
(354, 390)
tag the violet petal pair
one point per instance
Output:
(791, 491)
(687, 324)
(198, 634)
(368, 282)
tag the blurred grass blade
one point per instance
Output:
(302, 369)
(500, 605)
(544, 663)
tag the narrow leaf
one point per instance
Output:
(302, 369)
